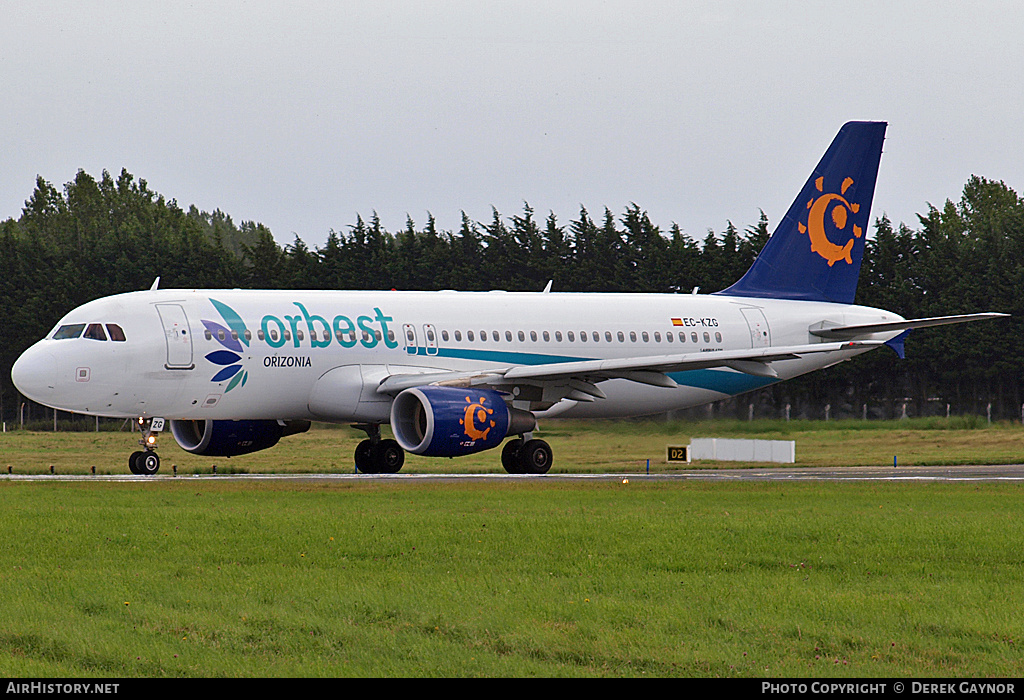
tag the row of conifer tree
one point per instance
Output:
(96, 237)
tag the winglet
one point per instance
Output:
(897, 343)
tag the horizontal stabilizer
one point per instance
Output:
(839, 332)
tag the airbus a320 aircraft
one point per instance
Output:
(455, 373)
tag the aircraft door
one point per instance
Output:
(431, 338)
(409, 331)
(760, 334)
(177, 336)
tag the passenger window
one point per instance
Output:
(522, 336)
(95, 332)
(430, 335)
(533, 336)
(707, 337)
(571, 336)
(583, 336)
(508, 336)
(693, 337)
(718, 337)
(622, 337)
(70, 331)
(209, 335)
(558, 336)
(669, 338)
(261, 336)
(495, 337)
(657, 336)
(458, 335)
(469, 335)
(547, 337)
(596, 336)
(115, 332)
(645, 337)
(682, 336)
(444, 335)
(632, 336)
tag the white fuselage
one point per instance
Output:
(240, 354)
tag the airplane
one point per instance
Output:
(454, 373)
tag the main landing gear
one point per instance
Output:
(146, 462)
(377, 456)
(526, 456)
(521, 455)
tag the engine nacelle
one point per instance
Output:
(227, 438)
(439, 421)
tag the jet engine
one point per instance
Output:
(439, 421)
(227, 438)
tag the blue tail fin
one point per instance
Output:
(815, 252)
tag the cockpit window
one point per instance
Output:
(95, 332)
(115, 332)
(72, 330)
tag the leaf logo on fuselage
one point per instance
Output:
(838, 207)
(231, 337)
(476, 414)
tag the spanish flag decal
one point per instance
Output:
(677, 322)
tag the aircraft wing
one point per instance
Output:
(584, 374)
(839, 332)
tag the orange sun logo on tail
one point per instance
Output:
(815, 227)
(477, 413)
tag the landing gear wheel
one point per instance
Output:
(535, 457)
(510, 456)
(388, 457)
(144, 463)
(133, 461)
(148, 464)
(365, 461)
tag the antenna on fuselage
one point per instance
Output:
(156, 284)
(547, 289)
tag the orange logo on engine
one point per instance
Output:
(476, 413)
(815, 227)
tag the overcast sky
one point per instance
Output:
(301, 115)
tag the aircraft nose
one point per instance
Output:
(35, 374)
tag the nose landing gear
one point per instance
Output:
(146, 462)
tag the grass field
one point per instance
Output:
(534, 577)
(531, 578)
(579, 446)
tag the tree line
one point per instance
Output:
(96, 237)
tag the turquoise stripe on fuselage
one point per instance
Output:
(722, 381)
